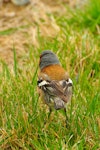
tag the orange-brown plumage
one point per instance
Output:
(55, 86)
(55, 72)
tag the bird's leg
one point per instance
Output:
(67, 122)
(50, 111)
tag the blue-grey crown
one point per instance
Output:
(47, 58)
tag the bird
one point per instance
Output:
(54, 83)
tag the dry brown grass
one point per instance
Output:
(26, 21)
(23, 22)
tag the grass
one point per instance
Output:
(22, 115)
(87, 17)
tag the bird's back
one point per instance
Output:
(55, 72)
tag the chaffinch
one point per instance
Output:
(55, 86)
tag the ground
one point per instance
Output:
(19, 25)
(72, 31)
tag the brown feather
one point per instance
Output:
(55, 72)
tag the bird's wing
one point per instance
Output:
(61, 89)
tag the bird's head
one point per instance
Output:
(47, 58)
